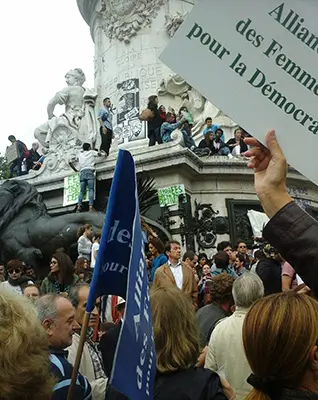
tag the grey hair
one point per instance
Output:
(247, 289)
(46, 307)
(73, 295)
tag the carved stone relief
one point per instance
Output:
(124, 18)
(175, 91)
(173, 23)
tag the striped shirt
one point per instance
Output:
(62, 371)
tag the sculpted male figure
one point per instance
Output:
(79, 112)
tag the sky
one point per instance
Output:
(40, 40)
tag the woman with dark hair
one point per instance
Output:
(202, 260)
(84, 244)
(162, 113)
(207, 142)
(237, 144)
(157, 249)
(82, 263)
(61, 277)
(152, 115)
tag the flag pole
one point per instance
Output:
(78, 355)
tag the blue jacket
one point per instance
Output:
(156, 263)
(166, 130)
(228, 271)
(62, 371)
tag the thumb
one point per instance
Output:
(273, 145)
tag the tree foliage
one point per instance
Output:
(4, 168)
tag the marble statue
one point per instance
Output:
(79, 118)
(173, 23)
(29, 233)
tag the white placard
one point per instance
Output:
(257, 62)
(12, 153)
(72, 189)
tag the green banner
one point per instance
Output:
(169, 196)
(72, 189)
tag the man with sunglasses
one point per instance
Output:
(242, 249)
(16, 281)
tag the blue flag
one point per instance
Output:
(134, 367)
(111, 268)
(121, 270)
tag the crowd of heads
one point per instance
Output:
(282, 322)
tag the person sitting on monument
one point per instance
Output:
(220, 147)
(237, 145)
(168, 127)
(162, 113)
(22, 153)
(39, 163)
(34, 156)
(79, 115)
(207, 142)
(210, 127)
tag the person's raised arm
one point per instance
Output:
(270, 168)
(291, 230)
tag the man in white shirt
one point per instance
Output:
(177, 273)
(95, 248)
(225, 349)
(86, 161)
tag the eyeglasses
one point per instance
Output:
(53, 262)
(16, 270)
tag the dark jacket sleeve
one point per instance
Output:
(107, 347)
(202, 144)
(295, 234)
(214, 389)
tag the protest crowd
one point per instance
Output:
(241, 324)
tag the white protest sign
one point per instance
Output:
(72, 189)
(257, 62)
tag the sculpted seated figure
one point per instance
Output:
(78, 120)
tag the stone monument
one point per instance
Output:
(129, 36)
(62, 136)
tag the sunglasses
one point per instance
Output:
(16, 270)
(242, 247)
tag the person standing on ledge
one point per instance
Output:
(105, 118)
(86, 161)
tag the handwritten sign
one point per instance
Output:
(169, 196)
(257, 64)
(12, 153)
(72, 189)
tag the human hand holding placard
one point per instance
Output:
(256, 64)
(270, 169)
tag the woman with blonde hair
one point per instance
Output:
(280, 335)
(176, 339)
(24, 351)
